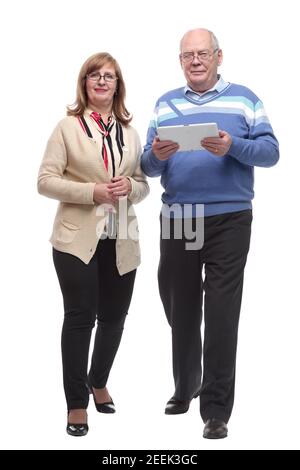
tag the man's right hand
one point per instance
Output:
(102, 194)
(163, 149)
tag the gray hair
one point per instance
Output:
(214, 40)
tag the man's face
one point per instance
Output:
(199, 60)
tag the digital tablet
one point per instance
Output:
(188, 137)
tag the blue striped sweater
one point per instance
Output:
(222, 184)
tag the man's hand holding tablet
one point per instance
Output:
(189, 138)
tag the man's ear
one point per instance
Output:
(180, 60)
(220, 57)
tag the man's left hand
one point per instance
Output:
(218, 145)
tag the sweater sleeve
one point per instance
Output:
(51, 180)
(261, 147)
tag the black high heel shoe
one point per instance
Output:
(77, 429)
(106, 407)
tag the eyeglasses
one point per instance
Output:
(96, 77)
(203, 56)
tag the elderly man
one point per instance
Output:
(217, 182)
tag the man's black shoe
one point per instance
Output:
(215, 429)
(176, 407)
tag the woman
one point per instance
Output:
(92, 166)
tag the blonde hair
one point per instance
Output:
(93, 63)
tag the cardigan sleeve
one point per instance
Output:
(140, 188)
(51, 180)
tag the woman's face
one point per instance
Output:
(101, 85)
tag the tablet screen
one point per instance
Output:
(188, 137)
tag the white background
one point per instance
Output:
(43, 45)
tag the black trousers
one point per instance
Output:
(215, 270)
(90, 292)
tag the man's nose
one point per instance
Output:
(196, 59)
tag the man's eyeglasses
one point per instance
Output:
(96, 77)
(203, 56)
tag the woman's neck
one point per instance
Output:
(104, 111)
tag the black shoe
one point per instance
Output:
(106, 407)
(77, 429)
(215, 429)
(176, 407)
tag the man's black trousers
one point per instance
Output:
(210, 278)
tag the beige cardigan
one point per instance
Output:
(71, 167)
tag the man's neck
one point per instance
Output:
(204, 88)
